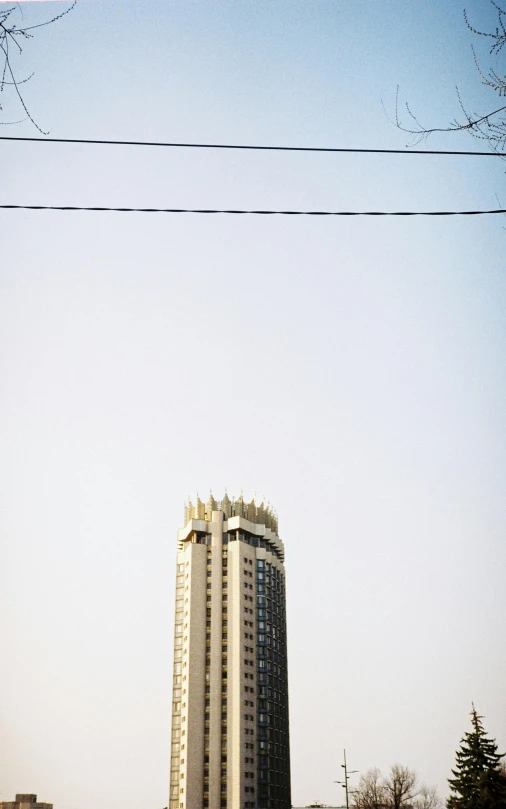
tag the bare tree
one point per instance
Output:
(400, 790)
(489, 126)
(12, 38)
(401, 786)
(370, 793)
(428, 798)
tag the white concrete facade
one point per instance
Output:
(230, 745)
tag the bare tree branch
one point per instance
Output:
(401, 786)
(490, 126)
(400, 790)
(428, 798)
(370, 793)
(13, 35)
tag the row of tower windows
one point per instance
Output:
(234, 536)
(265, 571)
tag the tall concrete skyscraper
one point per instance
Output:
(230, 739)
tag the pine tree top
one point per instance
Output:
(478, 782)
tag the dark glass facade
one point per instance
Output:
(272, 689)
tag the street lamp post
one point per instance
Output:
(344, 783)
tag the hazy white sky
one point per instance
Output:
(351, 370)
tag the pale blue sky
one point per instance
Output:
(351, 370)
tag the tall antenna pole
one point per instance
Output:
(345, 782)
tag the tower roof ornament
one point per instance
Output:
(260, 514)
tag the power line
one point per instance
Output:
(252, 212)
(251, 147)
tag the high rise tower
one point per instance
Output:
(230, 740)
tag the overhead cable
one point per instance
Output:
(253, 148)
(247, 212)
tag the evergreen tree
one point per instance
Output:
(479, 782)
